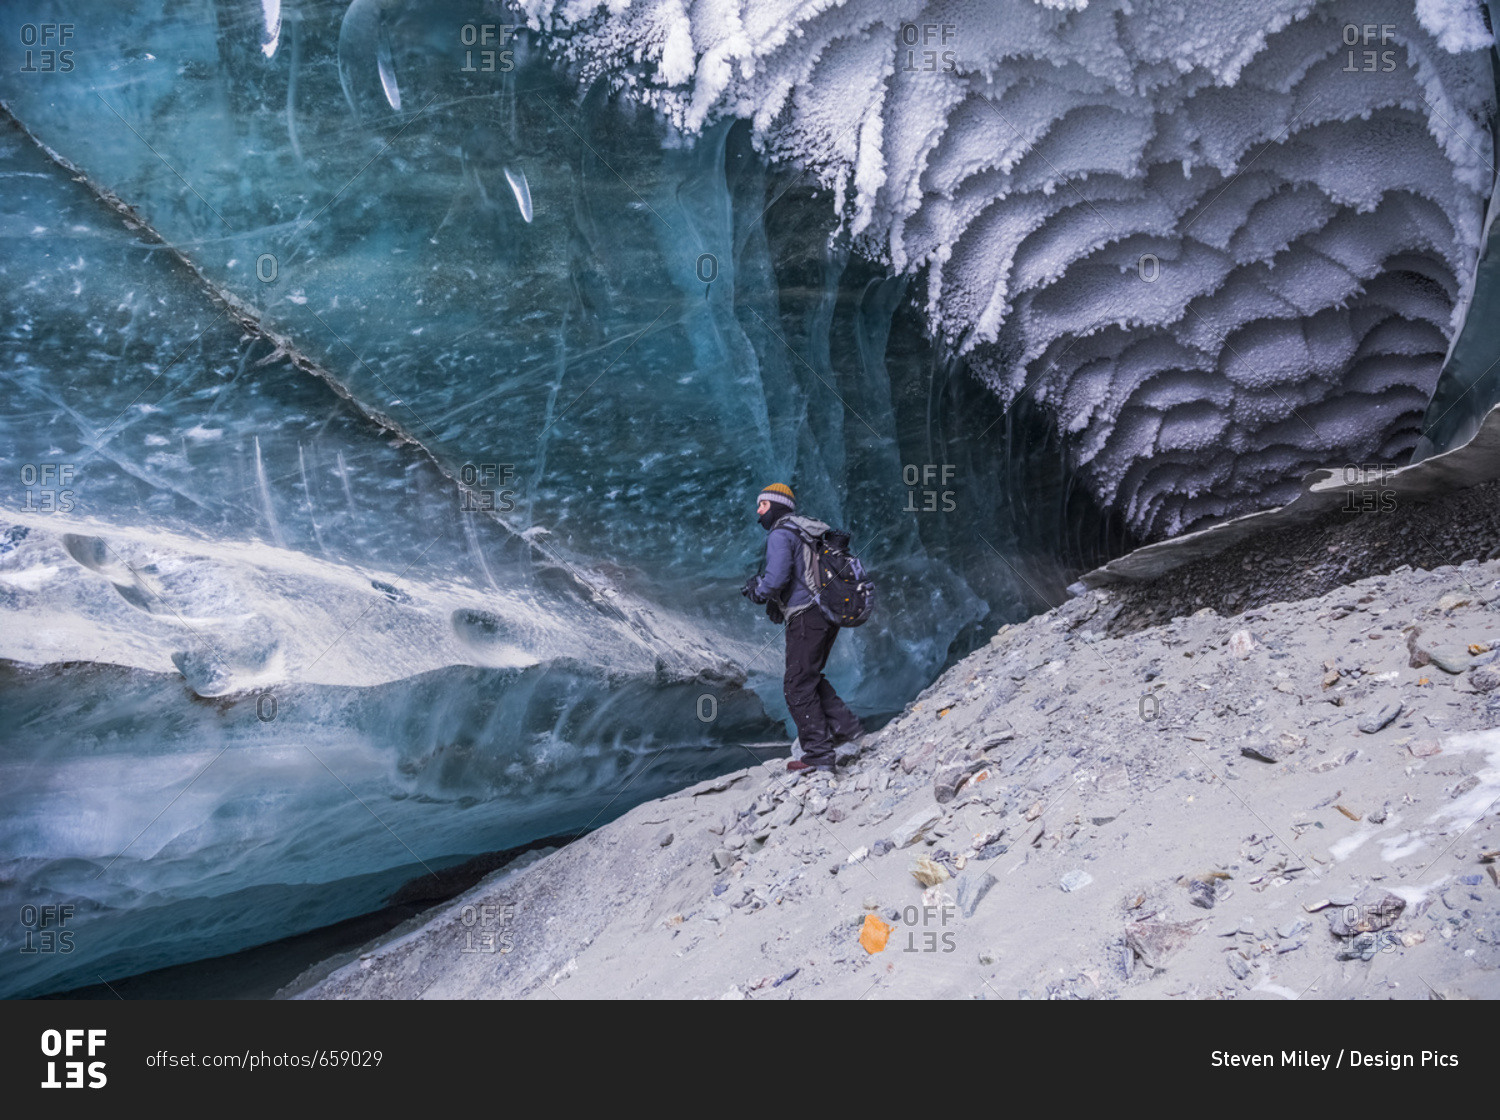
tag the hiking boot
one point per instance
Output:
(850, 748)
(797, 765)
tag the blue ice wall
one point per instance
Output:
(412, 403)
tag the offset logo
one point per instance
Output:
(477, 488)
(923, 481)
(493, 933)
(927, 930)
(1370, 60)
(486, 36)
(48, 487)
(1371, 494)
(50, 38)
(38, 921)
(919, 43)
(75, 1046)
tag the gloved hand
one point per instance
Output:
(748, 591)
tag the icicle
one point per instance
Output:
(519, 187)
(271, 32)
(291, 93)
(363, 40)
(264, 485)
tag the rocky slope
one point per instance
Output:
(1298, 801)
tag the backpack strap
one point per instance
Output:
(810, 532)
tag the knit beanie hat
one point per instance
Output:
(779, 493)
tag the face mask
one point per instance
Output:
(770, 517)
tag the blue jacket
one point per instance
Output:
(782, 548)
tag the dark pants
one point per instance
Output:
(819, 713)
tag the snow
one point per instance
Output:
(1042, 150)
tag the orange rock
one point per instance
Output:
(875, 934)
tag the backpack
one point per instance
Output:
(830, 572)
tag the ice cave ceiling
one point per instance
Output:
(1225, 244)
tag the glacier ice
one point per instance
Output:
(1470, 384)
(425, 433)
(407, 385)
(1228, 243)
(187, 829)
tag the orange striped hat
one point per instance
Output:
(780, 493)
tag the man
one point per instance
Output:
(822, 719)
